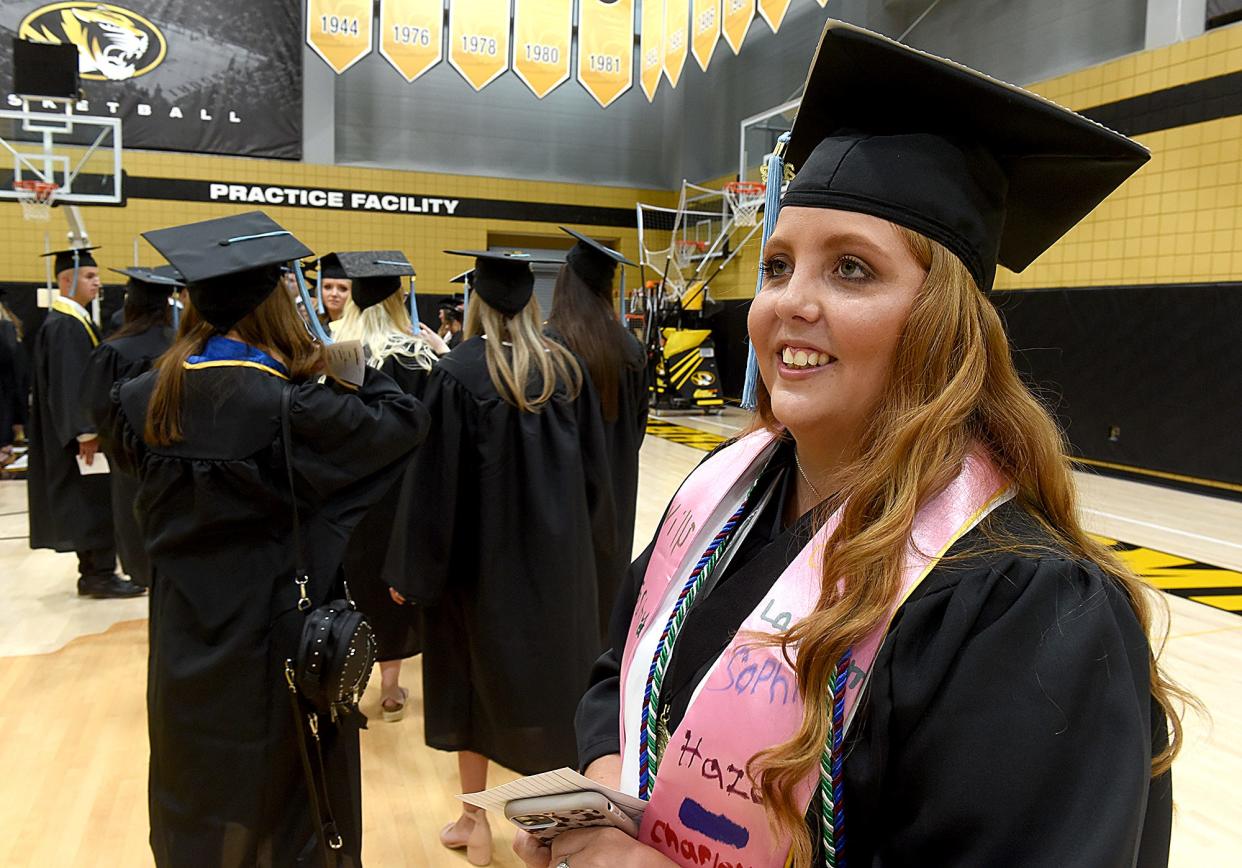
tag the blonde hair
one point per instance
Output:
(530, 355)
(386, 330)
(952, 383)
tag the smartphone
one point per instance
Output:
(545, 817)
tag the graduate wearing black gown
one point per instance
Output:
(505, 518)
(376, 315)
(226, 784)
(877, 613)
(70, 511)
(927, 779)
(13, 393)
(144, 334)
(583, 319)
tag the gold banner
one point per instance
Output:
(737, 17)
(773, 12)
(705, 30)
(339, 31)
(606, 48)
(542, 36)
(412, 35)
(479, 40)
(676, 38)
(651, 47)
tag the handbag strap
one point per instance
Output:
(329, 838)
(300, 576)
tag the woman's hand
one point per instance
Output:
(530, 851)
(437, 343)
(396, 596)
(604, 847)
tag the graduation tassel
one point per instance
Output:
(176, 310)
(413, 306)
(316, 326)
(319, 300)
(775, 179)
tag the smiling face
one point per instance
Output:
(335, 294)
(837, 290)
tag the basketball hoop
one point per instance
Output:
(36, 198)
(744, 198)
(685, 251)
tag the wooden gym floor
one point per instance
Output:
(73, 751)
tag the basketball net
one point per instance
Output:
(36, 198)
(745, 199)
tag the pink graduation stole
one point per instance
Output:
(705, 812)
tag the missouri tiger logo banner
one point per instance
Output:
(606, 48)
(339, 31)
(651, 47)
(773, 12)
(479, 39)
(676, 44)
(114, 43)
(705, 30)
(542, 36)
(737, 17)
(412, 35)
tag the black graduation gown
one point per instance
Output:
(1008, 721)
(226, 784)
(623, 438)
(68, 511)
(396, 627)
(113, 361)
(12, 383)
(504, 518)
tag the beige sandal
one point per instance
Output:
(397, 711)
(477, 843)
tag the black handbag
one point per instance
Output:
(335, 656)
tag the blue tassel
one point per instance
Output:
(315, 326)
(319, 301)
(413, 306)
(771, 210)
(176, 313)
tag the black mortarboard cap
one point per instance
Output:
(376, 274)
(151, 285)
(503, 279)
(593, 262)
(330, 268)
(248, 248)
(65, 258)
(989, 170)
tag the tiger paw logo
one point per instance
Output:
(114, 44)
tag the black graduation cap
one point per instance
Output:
(502, 278)
(593, 262)
(65, 258)
(376, 274)
(151, 285)
(989, 170)
(249, 248)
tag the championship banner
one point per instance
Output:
(737, 17)
(606, 48)
(339, 31)
(543, 32)
(651, 47)
(705, 21)
(676, 41)
(218, 77)
(412, 35)
(773, 12)
(479, 40)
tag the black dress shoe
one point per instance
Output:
(84, 587)
(113, 588)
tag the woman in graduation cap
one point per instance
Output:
(584, 319)
(145, 334)
(872, 630)
(376, 315)
(201, 431)
(335, 286)
(505, 516)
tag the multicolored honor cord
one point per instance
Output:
(831, 791)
